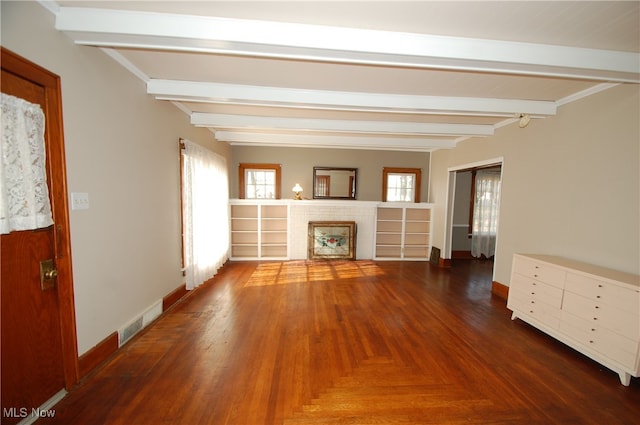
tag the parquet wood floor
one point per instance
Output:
(362, 342)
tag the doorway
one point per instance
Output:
(462, 241)
(39, 348)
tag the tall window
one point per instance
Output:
(205, 216)
(485, 213)
(401, 184)
(259, 181)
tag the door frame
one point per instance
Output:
(451, 190)
(57, 176)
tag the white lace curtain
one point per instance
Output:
(485, 214)
(24, 202)
(205, 200)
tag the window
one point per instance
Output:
(259, 181)
(486, 210)
(205, 212)
(401, 184)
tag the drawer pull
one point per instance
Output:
(599, 286)
(595, 318)
(533, 293)
(590, 342)
(598, 296)
(535, 275)
(597, 306)
(593, 329)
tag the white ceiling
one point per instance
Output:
(416, 75)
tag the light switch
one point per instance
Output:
(79, 201)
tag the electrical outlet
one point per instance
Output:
(79, 201)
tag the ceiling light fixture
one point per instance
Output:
(524, 120)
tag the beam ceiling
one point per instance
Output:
(127, 34)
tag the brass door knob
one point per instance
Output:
(48, 274)
(51, 274)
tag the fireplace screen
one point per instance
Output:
(332, 239)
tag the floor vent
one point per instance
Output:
(152, 313)
(133, 327)
(128, 331)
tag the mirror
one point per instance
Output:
(334, 183)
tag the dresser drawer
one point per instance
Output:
(539, 270)
(614, 346)
(537, 289)
(604, 292)
(542, 312)
(606, 316)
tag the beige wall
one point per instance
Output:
(570, 184)
(122, 149)
(298, 163)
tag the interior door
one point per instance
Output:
(39, 354)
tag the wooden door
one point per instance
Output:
(39, 354)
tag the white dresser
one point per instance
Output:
(592, 309)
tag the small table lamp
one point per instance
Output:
(297, 189)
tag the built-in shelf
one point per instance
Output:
(259, 231)
(274, 231)
(403, 232)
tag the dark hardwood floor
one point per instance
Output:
(347, 343)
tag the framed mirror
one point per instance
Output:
(334, 183)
